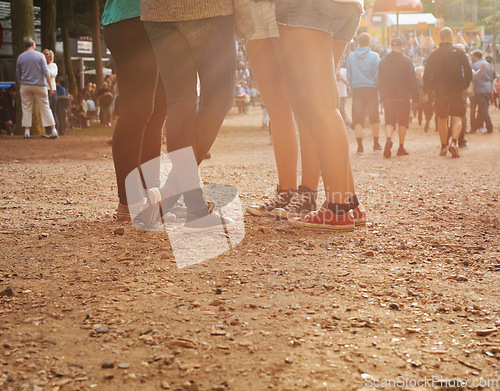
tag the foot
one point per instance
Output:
(280, 199)
(54, 134)
(122, 213)
(46, 135)
(359, 215)
(301, 203)
(454, 149)
(444, 150)
(27, 134)
(377, 147)
(387, 149)
(402, 151)
(207, 223)
(150, 211)
(426, 127)
(360, 151)
(325, 220)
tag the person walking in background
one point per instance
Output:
(53, 70)
(483, 82)
(33, 77)
(105, 98)
(143, 107)
(362, 75)
(398, 84)
(425, 109)
(448, 74)
(343, 86)
(312, 44)
(264, 54)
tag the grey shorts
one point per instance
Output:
(264, 18)
(340, 19)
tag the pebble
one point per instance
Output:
(288, 360)
(164, 385)
(124, 365)
(101, 330)
(190, 386)
(119, 231)
(7, 292)
(107, 364)
(485, 332)
(394, 307)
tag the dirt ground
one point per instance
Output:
(413, 297)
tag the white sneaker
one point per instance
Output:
(54, 134)
(27, 134)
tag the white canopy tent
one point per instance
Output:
(411, 19)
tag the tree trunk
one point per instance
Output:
(48, 8)
(96, 41)
(23, 25)
(68, 65)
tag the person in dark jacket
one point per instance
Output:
(8, 110)
(448, 74)
(397, 83)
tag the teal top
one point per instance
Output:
(118, 10)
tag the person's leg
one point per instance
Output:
(443, 130)
(172, 44)
(402, 136)
(137, 76)
(473, 114)
(151, 143)
(358, 116)
(389, 130)
(456, 128)
(272, 87)
(373, 113)
(376, 134)
(214, 53)
(462, 142)
(41, 96)
(483, 113)
(27, 108)
(53, 108)
(403, 115)
(316, 106)
(428, 112)
(390, 126)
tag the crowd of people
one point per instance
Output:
(185, 57)
(37, 72)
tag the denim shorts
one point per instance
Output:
(264, 18)
(341, 19)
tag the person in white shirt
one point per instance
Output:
(343, 84)
(53, 70)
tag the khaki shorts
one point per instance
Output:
(264, 17)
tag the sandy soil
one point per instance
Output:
(413, 296)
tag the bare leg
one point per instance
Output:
(402, 134)
(315, 104)
(358, 131)
(456, 127)
(389, 130)
(272, 88)
(443, 130)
